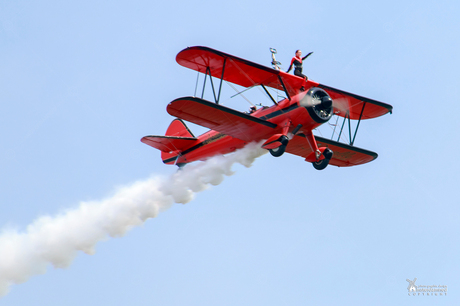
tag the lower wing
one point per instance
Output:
(344, 155)
(220, 118)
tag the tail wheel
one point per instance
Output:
(277, 152)
(322, 164)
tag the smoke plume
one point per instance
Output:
(56, 240)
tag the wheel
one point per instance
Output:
(322, 164)
(277, 152)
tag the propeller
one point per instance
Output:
(341, 105)
(319, 103)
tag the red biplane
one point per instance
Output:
(287, 126)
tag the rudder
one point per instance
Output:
(177, 139)
(178, 128)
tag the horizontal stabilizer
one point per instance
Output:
(169, 143)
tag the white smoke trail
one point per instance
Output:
(57, 240)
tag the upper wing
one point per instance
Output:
(246, 73)
(355, 106)
(239, 71)
(344, 155)
(220, 118)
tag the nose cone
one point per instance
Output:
(326, 102)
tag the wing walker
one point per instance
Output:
(287, 126)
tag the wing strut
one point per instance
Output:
(341, 129)
(347, 118)
(276, 103)
(221, 80)
(208, 72)
(284, 87)
(359, 121)
(212, 84)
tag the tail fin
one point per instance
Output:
(178, 138)
(179, 129)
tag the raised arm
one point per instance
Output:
(307, 55)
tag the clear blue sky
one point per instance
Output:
(82, 81)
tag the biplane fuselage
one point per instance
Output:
(214, 143)
(286, 126)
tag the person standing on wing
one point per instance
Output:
(297, 62)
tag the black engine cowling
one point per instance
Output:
(318, 103)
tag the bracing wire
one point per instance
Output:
(240, 93)
(334, 133)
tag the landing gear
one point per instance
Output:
(277, 152)
(322, 164)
